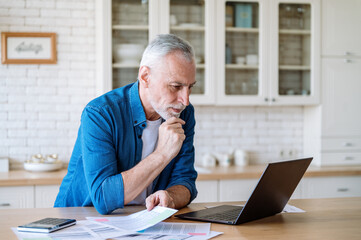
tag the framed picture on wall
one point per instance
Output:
(28, 48)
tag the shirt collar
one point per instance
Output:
(136, 105)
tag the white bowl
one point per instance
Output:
(128, 53)
(42, 167)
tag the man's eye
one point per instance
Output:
(177, 87)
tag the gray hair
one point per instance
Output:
(164, 44)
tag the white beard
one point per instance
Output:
(163, 111)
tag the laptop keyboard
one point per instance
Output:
(230, 215)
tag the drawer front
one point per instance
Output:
(330, 187)
(334, 159)
(17, 197)
(207, 191)
(341, 144)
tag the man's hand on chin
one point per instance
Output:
(159, 198)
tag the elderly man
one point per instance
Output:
(135, 143)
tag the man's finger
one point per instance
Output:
(150, 202)
(173, 120)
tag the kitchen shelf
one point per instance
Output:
(294, 67)
(131, 27)
(182, 28)
(125, 65)
(245, 30)
(295, 31)
(241, 66)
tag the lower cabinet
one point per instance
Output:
(310, 187)
(38, 196)
(45, 195)
(330, 187)
(207, 191)
(17, 197)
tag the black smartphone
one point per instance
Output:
(47, 225)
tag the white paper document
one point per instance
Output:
(141, 236)
(137, 221)
(171, 228)
(292, 209)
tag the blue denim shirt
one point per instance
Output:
(108, 143)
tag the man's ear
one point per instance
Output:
(143, 76)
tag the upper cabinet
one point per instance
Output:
(254, 52)
(268, 52)
(192, 20)
(340, 21)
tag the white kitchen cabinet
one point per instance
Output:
(236, 190)
(341, 97)
(332, 132)
(282, 38)
(45, 195)
(309, 187)
(331, 187)
(17, 197)
(137, 22)
(340, 28)
(207, 191)
(291, 81)
(38, 196)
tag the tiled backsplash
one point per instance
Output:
(40, 105)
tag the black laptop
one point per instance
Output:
(269, 197)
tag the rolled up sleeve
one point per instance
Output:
(100, 164)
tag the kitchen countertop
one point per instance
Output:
(22, 177)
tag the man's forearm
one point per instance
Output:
(180, 195)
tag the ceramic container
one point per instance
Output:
(128, 53)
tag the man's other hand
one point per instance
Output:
(159, 198)
(171, 137)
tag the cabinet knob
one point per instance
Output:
(347, 53)
(273, 99)
(266, 99)
(347, 144)
(347, 60)
(349, 158)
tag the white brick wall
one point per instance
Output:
(40, 105)
(262, 131)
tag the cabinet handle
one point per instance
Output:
(349, 158)
(4, 204)
(347, 144)
(347, 53)
(347, 60)
(342, 189)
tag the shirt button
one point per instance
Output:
(143, 125)
(135, 121)
(139, 136)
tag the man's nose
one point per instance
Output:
(183, 96)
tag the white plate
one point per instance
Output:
(42, 167)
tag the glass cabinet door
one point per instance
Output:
(130, 33)
(296, 72)
(294, 48)
(241, 58)
(187, 19)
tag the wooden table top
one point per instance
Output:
(338, 218)
(22, 177)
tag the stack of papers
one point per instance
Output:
(141, 225)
